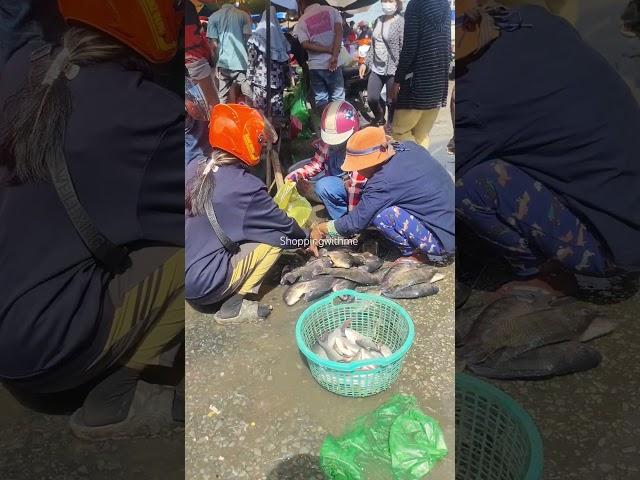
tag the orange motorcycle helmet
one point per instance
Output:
(241, 131)
(150, 27)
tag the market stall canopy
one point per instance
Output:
(352, 5)
(288, 4)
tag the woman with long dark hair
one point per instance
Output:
(91, 204)
(234, 231)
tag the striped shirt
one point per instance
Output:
(423, 70)
(354, 183)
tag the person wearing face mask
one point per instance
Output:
(546, 163)
(383, 57)
(339, 193)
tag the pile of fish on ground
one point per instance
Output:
(342, 269)
(345, 345)
(528, 335)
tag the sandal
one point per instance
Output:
(248, 312)
(149, 415)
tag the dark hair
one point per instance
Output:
(36, 117)
(199, 189)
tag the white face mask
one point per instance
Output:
(389, 8)
(237, 4)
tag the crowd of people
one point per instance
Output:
(376, 174)
(228, 61)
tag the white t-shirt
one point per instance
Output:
(316, 25)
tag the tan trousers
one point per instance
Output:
(414, 125)
(156, 300)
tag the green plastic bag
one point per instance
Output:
(395, 442)
(296, 106)
(294, 205)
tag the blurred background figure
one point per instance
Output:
(319, 30)
(382, 59)
(257, 72)
(228, 31)
(421, 83)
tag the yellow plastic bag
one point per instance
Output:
(293, 204)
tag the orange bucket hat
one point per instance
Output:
(367, 148)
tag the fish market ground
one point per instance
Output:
(590, 421)
(273, 415)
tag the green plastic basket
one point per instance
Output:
(381, 319)
(496, 439)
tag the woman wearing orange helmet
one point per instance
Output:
(234, 231)
(91, 154)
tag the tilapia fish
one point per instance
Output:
(475, 323)
(305, 272)
(407, 274)
(343, 344)
(549, 360)
(356, 275)
(368, 262)
(412, 291)
(526, 332)
(310, 290)
(341, 258)
(343, 284)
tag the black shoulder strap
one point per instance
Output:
(227, 243)
(112, 257)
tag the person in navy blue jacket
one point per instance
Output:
(216, 270)
(86, 97)
(409, 197)
(547, 169)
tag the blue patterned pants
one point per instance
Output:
(408, 233)
(527, 222)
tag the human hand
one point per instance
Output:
(333, 63)
(315, 236)
(291, 177)
(362, 71)
(395, 90)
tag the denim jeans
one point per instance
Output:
(327, 86)
(334, 196)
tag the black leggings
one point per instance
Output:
(374, 89)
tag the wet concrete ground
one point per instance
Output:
(590, 421)
(40, 446)
(271, 410)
